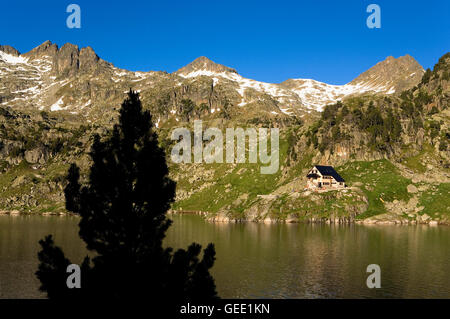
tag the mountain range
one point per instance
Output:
(78, 81)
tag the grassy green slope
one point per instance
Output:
(380, 181)
(230, 183)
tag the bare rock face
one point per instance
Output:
(9, 49)
(392, 74)
(67, 59)
(204, 64)
(45, 49)
(88, 59)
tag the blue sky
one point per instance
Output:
(265, 40)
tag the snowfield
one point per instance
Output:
(310, 93)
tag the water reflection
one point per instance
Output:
(19, 237)
(322, 261)
(263, 260)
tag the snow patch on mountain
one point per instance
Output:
(242, 84)
(316, 95)
(11, 59)
(57, 106)
(310, 93)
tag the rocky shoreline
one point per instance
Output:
(376, 220)
(21, 213)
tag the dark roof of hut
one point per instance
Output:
(329, 171)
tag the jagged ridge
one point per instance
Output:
(77, 80)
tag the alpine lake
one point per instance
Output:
(263, 260)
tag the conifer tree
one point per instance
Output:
(123, 222)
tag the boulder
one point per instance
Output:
(412, 189)
(19, 181)
(38, 155)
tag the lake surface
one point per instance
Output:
(264, 261)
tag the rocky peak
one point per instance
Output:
(9, 50)
(203, 64)
(395, 74)
(88, 58)
(45, 49)
(69, 48)
(68, 59)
